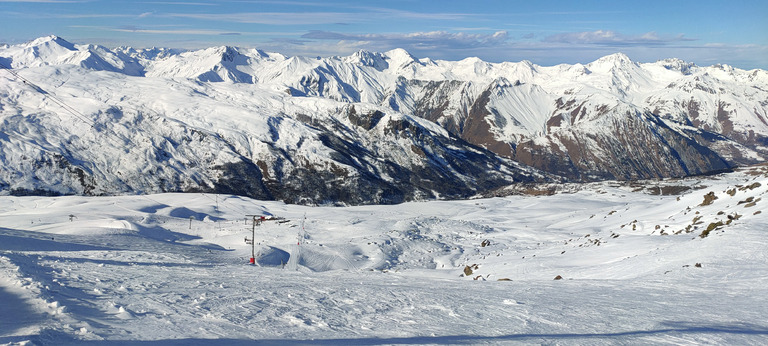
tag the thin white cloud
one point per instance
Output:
(183, 31)
(346, 14)
(293, 3)
(416, 40)
(612, 38)
(95, 15)
(131, 29)
(48, 1)
(275, 18)
(472, 29)
(176, 31)
(402, 14)
(180, 3)
(582, 47)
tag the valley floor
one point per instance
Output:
(636, 268)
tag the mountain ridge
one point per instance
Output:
(612, 118)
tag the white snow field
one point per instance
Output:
(635, 268)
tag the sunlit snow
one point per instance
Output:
(636, 268)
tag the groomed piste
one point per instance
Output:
(601, 263)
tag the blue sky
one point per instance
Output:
(544, 32)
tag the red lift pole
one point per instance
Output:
(257, 220)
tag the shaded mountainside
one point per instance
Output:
(365, 128)
(77, 131)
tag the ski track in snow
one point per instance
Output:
(136, 269)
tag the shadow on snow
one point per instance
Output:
(672, 328)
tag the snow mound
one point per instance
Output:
(652, 258)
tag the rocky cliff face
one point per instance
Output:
(621, 125)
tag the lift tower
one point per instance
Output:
(257, 220)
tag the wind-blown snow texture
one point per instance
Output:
(638, 266)
(366, 128)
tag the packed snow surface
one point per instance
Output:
(636, 268)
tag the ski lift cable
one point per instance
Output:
(77, 114)
(82, 117)
(221, 203)
(53, 98)
(69, 108)
(73, 111)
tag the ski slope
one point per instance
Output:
(173, 268)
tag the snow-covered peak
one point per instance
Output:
(723, 70)
(51, 41)
(146, 54)
(100, 58)
(758, 75)
(475, 65)
(525, 71)
(528, 64)
(608, 62)
(492, 105)
(49, 50)
(260, 54)
(227, 53)
(367, 58)
(427, 62)
(501, 82)
(215, 64)
(54, 50)
(679, 65)
(218, 54)
(579, 69)
(399, 57)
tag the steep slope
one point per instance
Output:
(54, 50)
(616, 119)
(86, 132)
(627, 146)
(371, 119)
(217, 64)
(719, 111)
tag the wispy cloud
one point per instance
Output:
(574, 47)
(48, 1)
(293, 3)
(443, 40)
(275, 18)
(133, 29)
(416, 40)
(176, 31)
(96, 15)
(612, 38)
(344, 15)
(473, 29)
(181, 31)
(180, 3)
(412, 15)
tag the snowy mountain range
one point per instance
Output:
(365, 128)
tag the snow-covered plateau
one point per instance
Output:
(369, 128)
(675, 261)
